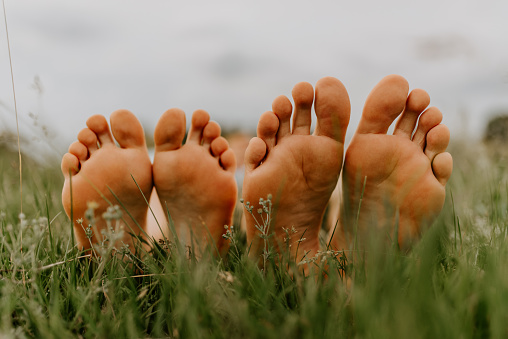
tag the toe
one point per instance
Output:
(417, 101)
(89, 139)
(332, 108)
(210, 132)
(267, 128)
(79, 150)
(127, 129)
(384, 103)
(429, 119)
(218, 146)
(303, 96)
(170, 130)
(437, 141)
(228, 160)
(282, 108)
(70, 165)
(98, 124)
(442, 167)
(200, 119)
(255, 153)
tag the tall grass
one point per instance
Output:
(454, 283)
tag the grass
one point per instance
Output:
(453, 284)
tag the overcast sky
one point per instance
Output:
(232, 58)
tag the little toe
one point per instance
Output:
(255, 153)
(99, 125)
(218, 146)
(332, 108)
(384, 103)
(282, 108)
(88, 138)
(228, 160)
(437, 141)
(79, 150)
(442, 166)
(416, 103)
(429, 119)
(210, 132)
(200, 119)
(267, 128)
(303, 96)
(170, 130)
(69, 165)
(127, 129)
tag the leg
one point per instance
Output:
(400, 178)
(298, 169)
(102, 172)
(195, 181)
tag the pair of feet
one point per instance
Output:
(193, 182)
(398, 179)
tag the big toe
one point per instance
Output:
(170, 130)
(332, 108)
(127, 129)
(384, 103)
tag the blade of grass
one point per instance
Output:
(15, 111)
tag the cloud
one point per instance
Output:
(234, 58)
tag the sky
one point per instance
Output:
(72, 59)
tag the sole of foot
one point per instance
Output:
(102, 174)
(195, 181)
(299, 170)
(394, 183)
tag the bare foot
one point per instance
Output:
(405, 172)
(299, 170)
(195, 181)
(99, 170)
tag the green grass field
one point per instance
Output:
(454, 284)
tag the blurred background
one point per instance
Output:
(73, 59)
